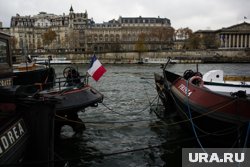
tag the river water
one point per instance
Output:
(124, 131)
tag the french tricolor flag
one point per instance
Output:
(96, 70)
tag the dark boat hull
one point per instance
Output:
(74, 94)
(73, 98)
(76, 99)
(26, 122)
(14, 140)
(26, 127)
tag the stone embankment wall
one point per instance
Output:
(206, 56)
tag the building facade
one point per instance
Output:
(75, 32)
(28, 31)
(125, 34)
(235, 37)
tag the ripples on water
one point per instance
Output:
(128, 95)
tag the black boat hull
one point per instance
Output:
(74, 94)
(14, 140)
(78, 99)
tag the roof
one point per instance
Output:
(243, 27)
(71, 9)
(237, 25)
(2, 34)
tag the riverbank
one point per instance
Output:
(194, 56)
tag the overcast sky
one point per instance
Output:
(195, 14)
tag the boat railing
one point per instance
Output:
(62, 81)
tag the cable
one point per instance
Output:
(102, 155)
(191, 120)
(100, 122)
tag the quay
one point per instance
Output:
(183, 56)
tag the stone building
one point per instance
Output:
(123, 34)
(28, 31)
(235, 37)
(5, 30)
(75, 32)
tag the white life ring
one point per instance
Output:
(196, 80)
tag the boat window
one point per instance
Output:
(3, 51)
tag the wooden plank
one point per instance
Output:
(236, 78)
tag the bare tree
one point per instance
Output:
(194, 42)
(48, 37)
(163, 35)
(13, 42)
(140, 45)
(73, 40)
(210, 41)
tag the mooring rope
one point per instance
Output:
(66, 160)
(165, 124)
(104, 122)
(191, 120)
(247, 134)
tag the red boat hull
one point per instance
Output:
(211, 104)
(211, 115)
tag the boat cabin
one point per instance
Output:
(5, 60)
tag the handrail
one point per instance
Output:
(61, 81)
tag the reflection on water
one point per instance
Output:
(127, 123)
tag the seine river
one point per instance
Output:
(124, 131)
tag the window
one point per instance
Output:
(100, 37)
(3, 51)
(117, 37)
(111, 37)
(106, 38)
(95, 37)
